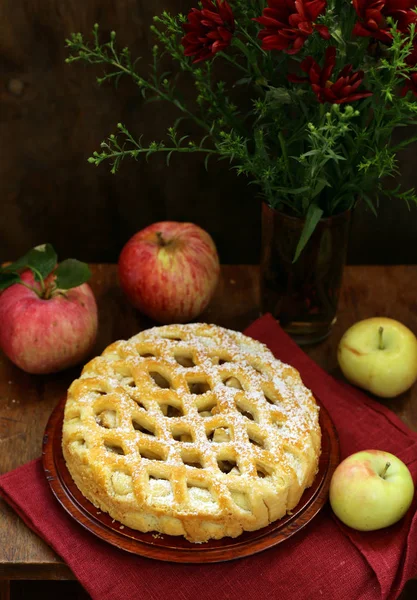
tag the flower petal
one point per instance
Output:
(291, 19)
(208, 30)
(315, 8)
(323, 31)
(296, 79)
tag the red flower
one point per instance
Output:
(344, 89)
(209, 30)
(373, 17)
(288, 23)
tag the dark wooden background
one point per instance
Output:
(53, 115)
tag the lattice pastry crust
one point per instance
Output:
(191, 430)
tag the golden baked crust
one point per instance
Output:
(191, 430)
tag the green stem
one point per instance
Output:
(41, 281)
(285, 156)
(134, 153)
(55, 291)
(142, 82)
(253, 63)
(404, 144)
(232, 61)
(380, 340)
(176, 149)
(98, 56)
(251, 40)
(29, 287)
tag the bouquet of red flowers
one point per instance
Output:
(319, 89)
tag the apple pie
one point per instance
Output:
(191, 430)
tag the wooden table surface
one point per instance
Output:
(26, 401)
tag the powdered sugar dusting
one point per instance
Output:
(200, 420)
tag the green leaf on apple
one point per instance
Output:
(71, 273)
(41, 260)
(8, 279)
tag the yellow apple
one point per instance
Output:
(370, 490)
(379, 355)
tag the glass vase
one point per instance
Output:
(302, 295)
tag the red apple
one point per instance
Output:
(46, 335)
(169, 271)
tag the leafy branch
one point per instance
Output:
(122, 64)
(114, 150)
(49, 278)
(306, 156)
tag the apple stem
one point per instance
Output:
(41, 281)
(161, 240)
(381, 343)
(385, 469)
(57, 292)
(29, 287)
(49, 292)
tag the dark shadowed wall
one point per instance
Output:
(53, 115)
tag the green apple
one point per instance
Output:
(370, 490)
(379, 355)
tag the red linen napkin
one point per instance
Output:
(324, 560)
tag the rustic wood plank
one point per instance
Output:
(5, 590)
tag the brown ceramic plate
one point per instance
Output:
(176, 548)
